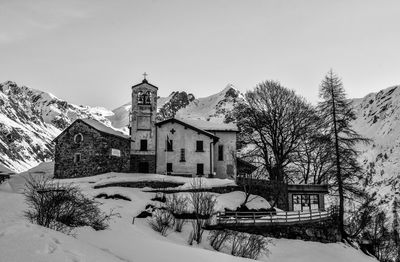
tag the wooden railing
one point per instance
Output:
(269, 218)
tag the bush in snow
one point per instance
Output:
(62, 207)
(249, 245)
(161, 221)
(177, 205)
(203, 204)
(220, 238)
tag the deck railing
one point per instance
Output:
(269, 218)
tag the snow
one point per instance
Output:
(5, 170)
(210, 125)
(103, 128)
(112, 178)
(124, 241)
(16, 183)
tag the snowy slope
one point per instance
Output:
(30, 119)
(127, 241)
(186, 106)
(378, 118)
(212, 108)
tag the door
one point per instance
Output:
(200, 169)
(143, 167)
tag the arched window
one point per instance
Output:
(78, 138)
(140, 98)
(144, 98)
(147, 98)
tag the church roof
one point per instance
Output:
(97, 126)
(103, 128)
(185, 124)
(145, 82)
(211, 126)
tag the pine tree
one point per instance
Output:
(337, 113)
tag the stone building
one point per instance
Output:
(88, 147)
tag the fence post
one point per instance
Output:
(270, 214)
(310, 214)
(299, 216)
(254, 218)
(236, 218)
(286, 216)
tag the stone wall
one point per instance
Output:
(95, 150)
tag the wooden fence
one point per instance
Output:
(269, 218)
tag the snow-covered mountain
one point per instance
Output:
(378, 118)
(30, 119)
(186, 106)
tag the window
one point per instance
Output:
(200, 169)
(169, 167)
(144, 98)
(220, 153)
(77, 157)
(182, 155)
(143, 145)
(305, 203)
(170, 145)
(78, 138)
(199, 146)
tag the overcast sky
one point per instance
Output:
(91, 52)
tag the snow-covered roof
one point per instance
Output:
(103, 128)
(210, 126)
(200, 130)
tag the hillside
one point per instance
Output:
(127, 241)
(378, 118)
(30, 119)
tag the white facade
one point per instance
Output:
(184, 159)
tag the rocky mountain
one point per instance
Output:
(378, 118)
(30, 119)
(185, 106)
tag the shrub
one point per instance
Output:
(161, 221)
(62, 207)
(249, 245)
(203, 204)
(177, 205)
(220, 238)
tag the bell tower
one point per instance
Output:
(143, 128)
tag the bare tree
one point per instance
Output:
(273, 120)
(312, 162)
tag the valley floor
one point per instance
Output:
(123, 241)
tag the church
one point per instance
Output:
(173, 146)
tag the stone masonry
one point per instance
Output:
(95, 152)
